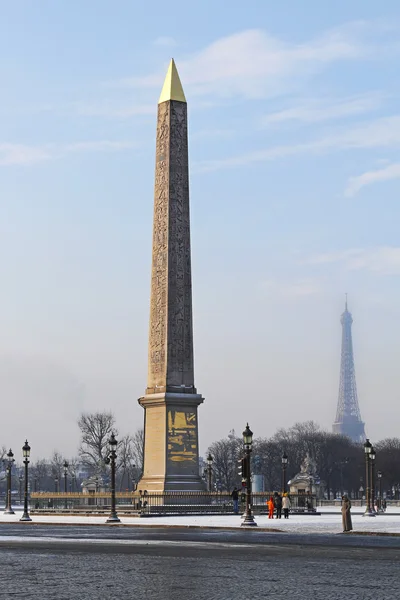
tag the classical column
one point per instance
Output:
(171, 432)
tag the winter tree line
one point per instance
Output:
(339, 461)
(48, 474)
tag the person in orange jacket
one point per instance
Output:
(271, 507)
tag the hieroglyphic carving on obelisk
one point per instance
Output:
(171, 400)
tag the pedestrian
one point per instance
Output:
(235, 498)
(278, 505)
(285, 505)
(346, 514)
(271, 507)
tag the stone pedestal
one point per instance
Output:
(171, 449)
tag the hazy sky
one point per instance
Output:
(295, 183)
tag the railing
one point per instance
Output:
(354, 502)
(145, 503)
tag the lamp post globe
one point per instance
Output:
(26, 452)
(10, 461)
(112, 446)
(247, 437)
(247, 443)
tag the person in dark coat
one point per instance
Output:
(278, 505)
(346, 514)
(235, 498)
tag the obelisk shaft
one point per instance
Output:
(170, 366)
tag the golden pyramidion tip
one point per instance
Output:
(172, 88)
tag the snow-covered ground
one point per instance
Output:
(325, 523)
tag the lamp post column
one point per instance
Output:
(372, 457)
(284, 467)
(20, 479)
(65, 483)
(367, 450)
(26, 450)
(380, 491)
(113, 518)
(10, 461)
(209, 471)
(247, 440)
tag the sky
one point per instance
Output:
(294, 136)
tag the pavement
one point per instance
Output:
(98, 563)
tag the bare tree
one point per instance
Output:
(56, 467)
(226, 454)
(96, 429)
(125, 460)
(388, 462)
(40, 472)
(138, 451)
(73, 466)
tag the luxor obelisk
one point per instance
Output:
(171, 455)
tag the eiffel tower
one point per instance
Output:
(348, 418)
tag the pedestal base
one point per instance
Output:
(171, 455)
(25, 518)
(113, 520)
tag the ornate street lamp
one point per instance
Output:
(26, 452)
(112, 455)
(372, 457)
(247, 442)
(367, 451)
(380, 490)
(10, 462)
(284, 467)
(209, 471)
(66, 465)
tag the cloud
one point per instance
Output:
(254, 64)
(355, 184)
(292, 289)
(380, 133)
(319, 110)
(383, 259)
(20, 154)
(165, 42)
